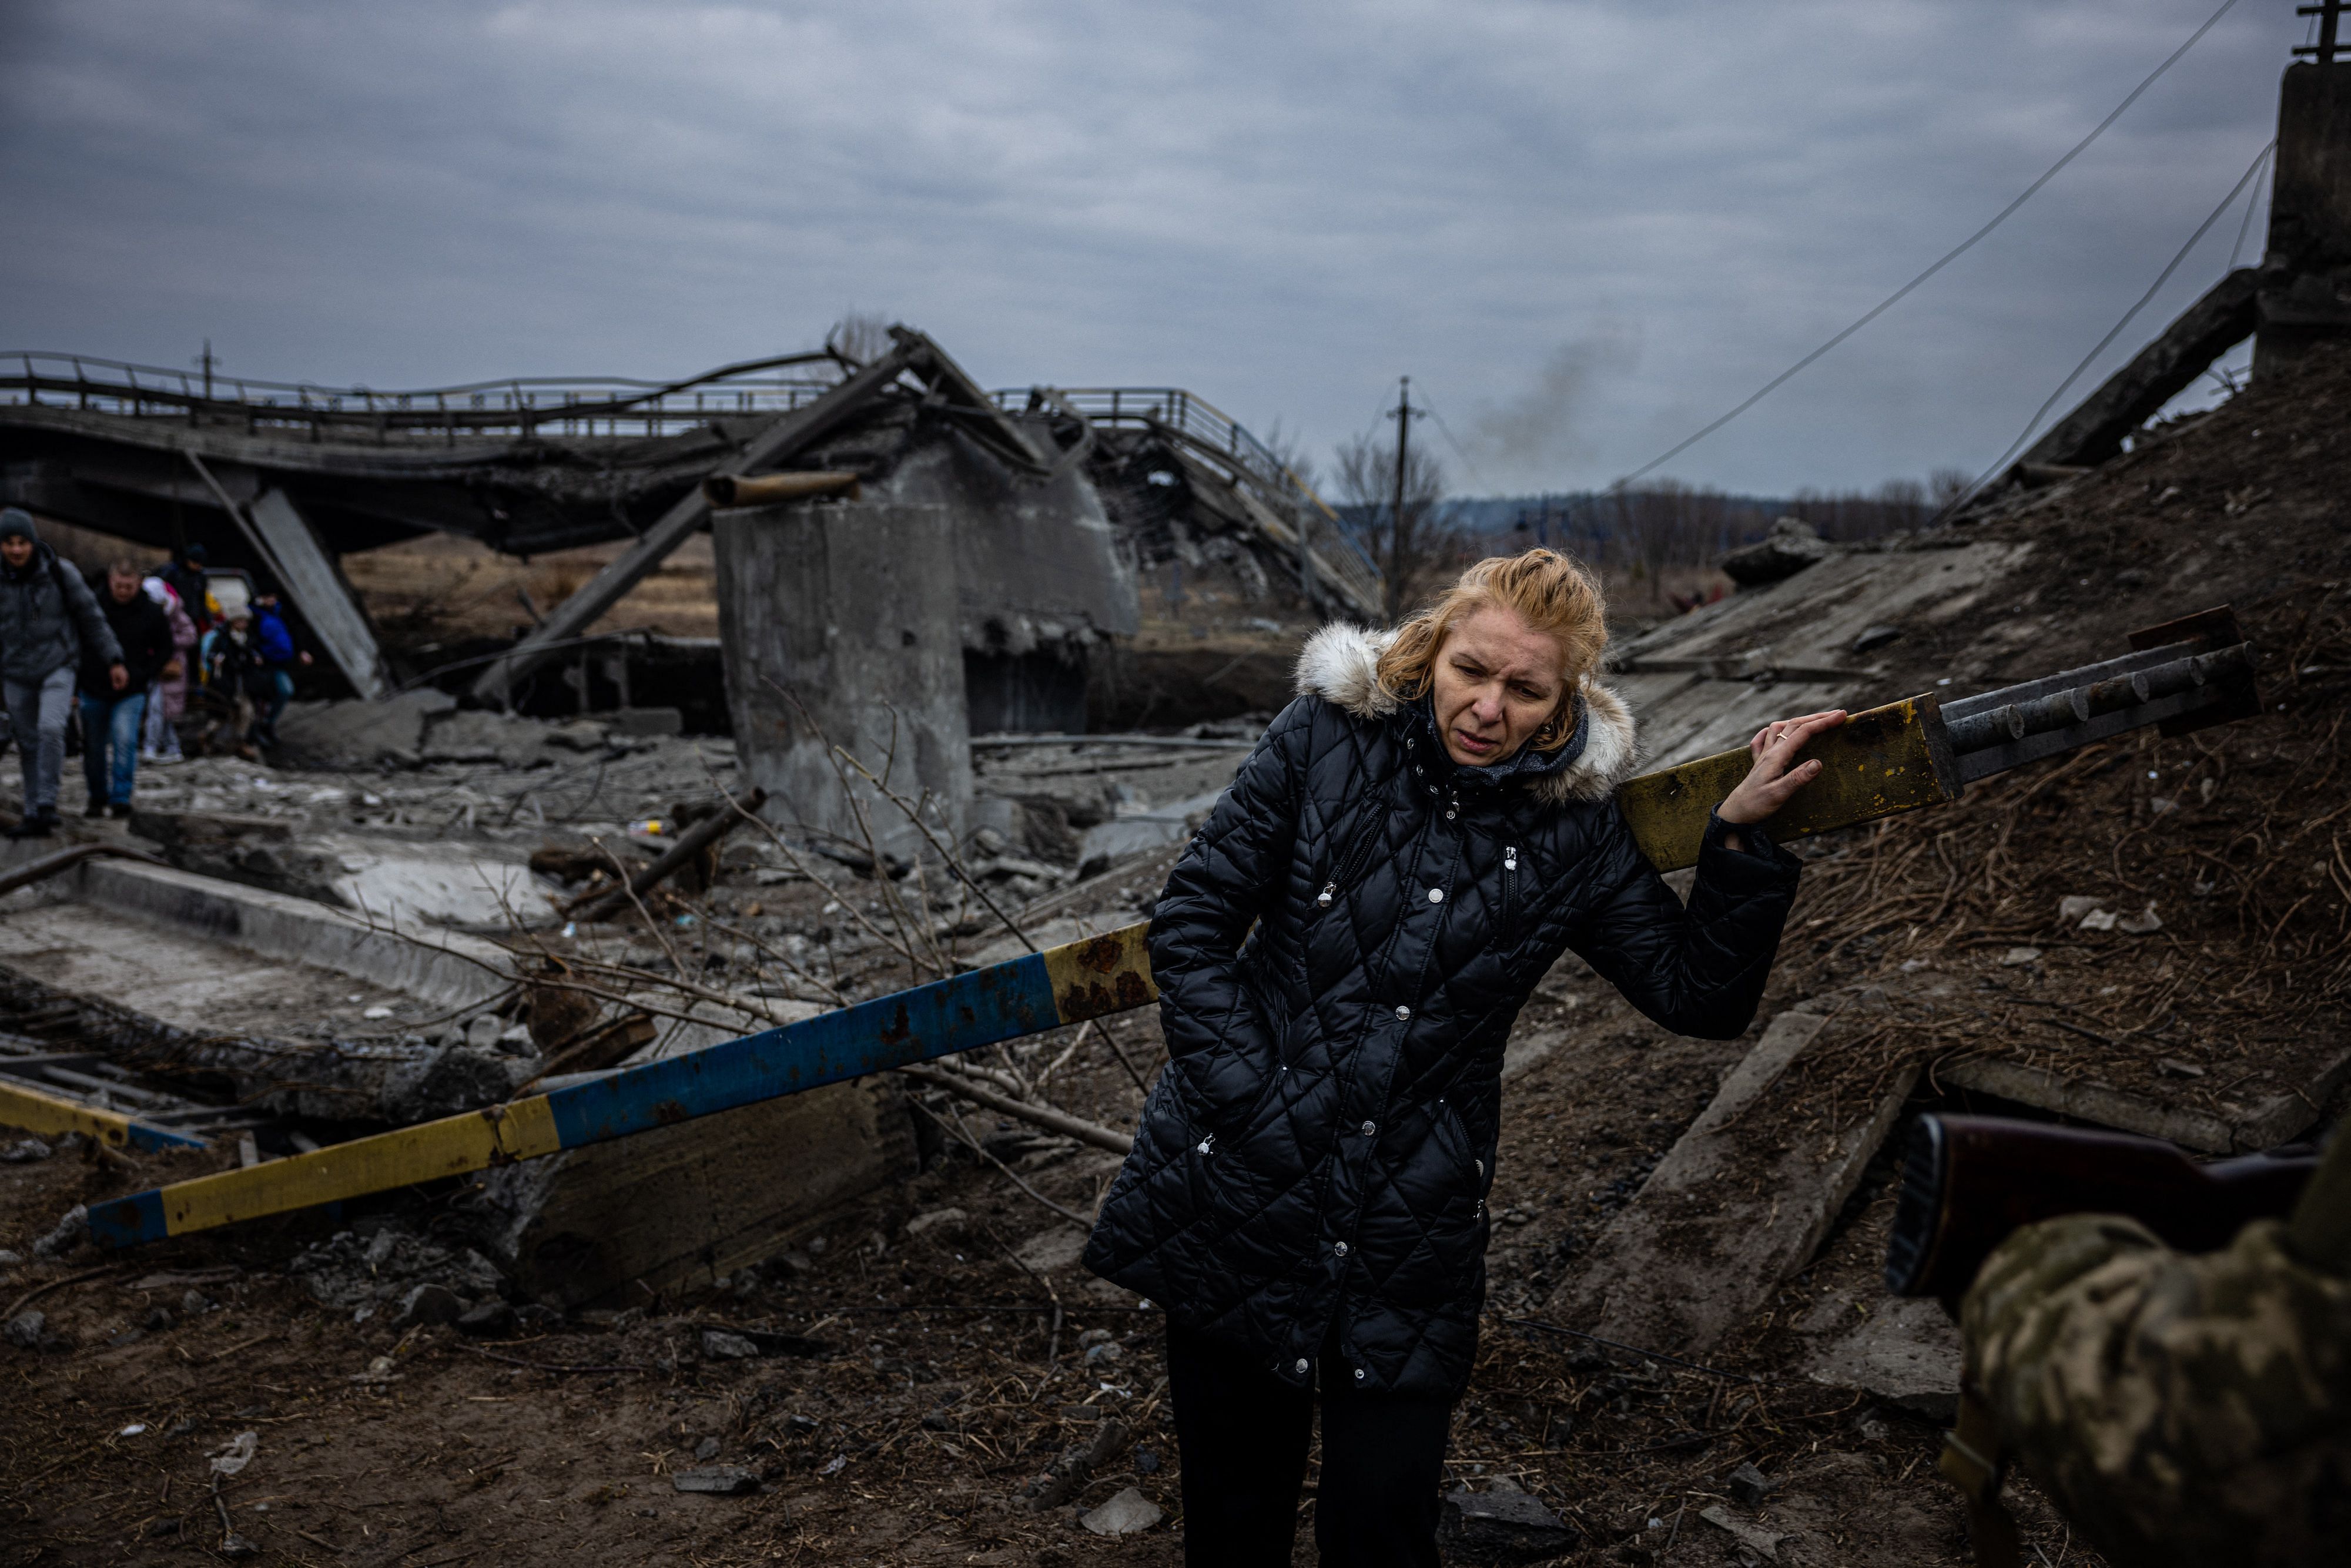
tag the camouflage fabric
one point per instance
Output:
(2179, 1408)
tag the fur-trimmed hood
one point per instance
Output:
(1339, 664)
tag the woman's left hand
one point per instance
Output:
(1777, 774)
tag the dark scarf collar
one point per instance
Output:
(1526, 765)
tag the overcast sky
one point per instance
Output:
(1583, 228)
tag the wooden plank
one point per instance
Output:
(1693, 1256)
(679, 1206)
(1879, 763)
(2235, 1129)
(55, 1115)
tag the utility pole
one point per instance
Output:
(2330, 16)
(205, 359)
(2299, 302)
(1403, 413)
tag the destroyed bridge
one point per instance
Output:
(1053, 492)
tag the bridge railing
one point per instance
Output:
(1210, 432)
(607, 405)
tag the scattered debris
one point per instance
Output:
(24, 1150)
(232, 1457)
(720, 1345)
(27, 1329)
(493, 1319)
(1764, 1543)
(1069, 1473)
(1500, 1526)
(360, 1274)
(951, 1220)
(718, 1481)
(1749, 1486)
(70, 1232)
(1128, 1512)
(1872, 638)
(429, 1304)
(1790, 547)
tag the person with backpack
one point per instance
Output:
(273, 684)
(167, 701)
(111, 711)
(50, 623)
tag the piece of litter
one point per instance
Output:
(2073, 905)
(132, 1430)
(377, 1012)
(2098, 920)
(1127, 1513)
(1764, 1543)
(719, 1480)
(835, 1464)
(2145, 923)
(2015, 957)
(237, 1453)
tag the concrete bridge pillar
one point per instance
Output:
(838, 625)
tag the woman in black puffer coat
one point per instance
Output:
(1341, 953)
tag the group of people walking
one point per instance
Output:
(128, 643)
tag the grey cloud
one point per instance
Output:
(1282, 207)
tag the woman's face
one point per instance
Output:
(1496, 681)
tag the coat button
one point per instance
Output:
(1435, 895)
(1359, 1374)
(1340, 1248)
(1300, 1366)
(1368, 1128)
(1405, 1013)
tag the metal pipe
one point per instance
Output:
(1978, 727)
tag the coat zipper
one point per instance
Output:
(1357, 854)
(1510, 890)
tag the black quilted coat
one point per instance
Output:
(1341, 953)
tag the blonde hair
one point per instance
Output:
(1551, 592)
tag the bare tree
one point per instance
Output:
(1947, 487)
(1290, 451)
(1414, 543)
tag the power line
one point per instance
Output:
(2253, 205)
(1430, 408)
(1946, 258)
(2116, 331)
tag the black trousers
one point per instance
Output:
(1243, 1436)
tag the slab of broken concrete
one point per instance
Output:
(1712, 1233)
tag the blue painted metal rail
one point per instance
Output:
(1063, 985)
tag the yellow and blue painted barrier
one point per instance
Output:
(21, 1106)
(1063, 985)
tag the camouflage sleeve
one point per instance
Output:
(2179, 1408)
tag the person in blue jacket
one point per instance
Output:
(274, 684)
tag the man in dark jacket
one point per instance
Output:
(50, 623)
(111, 712)
(185, 575)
